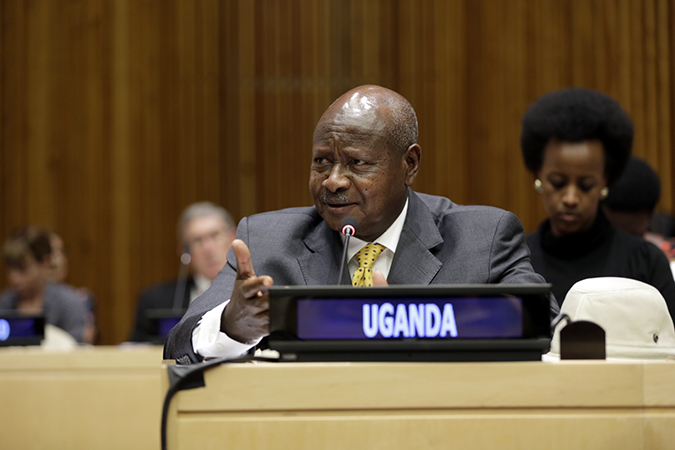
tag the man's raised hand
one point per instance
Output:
(246, 317)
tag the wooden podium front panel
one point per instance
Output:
(594, 405)
(659, 398)
(489, 430)
(91, 398)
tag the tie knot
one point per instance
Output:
(369, 253)
(366, 258)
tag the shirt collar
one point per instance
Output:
(389, 238)
(201, 283)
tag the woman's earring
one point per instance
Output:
(604, 192)
(538, 186)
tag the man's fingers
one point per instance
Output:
(379, 280)
(253, 287)
(244, 264)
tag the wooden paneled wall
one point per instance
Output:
(116, 114)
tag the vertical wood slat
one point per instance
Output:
(40, 198)
(651, 83)
(121, 180)
(637, 63)
(15, 175)
(248, 128)
(663, 156)
(117, 114)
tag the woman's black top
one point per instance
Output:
(601, 251)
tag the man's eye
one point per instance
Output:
(358, 162)
(320, 161)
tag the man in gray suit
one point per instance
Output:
(365, 157)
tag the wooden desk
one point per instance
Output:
(525, 405)
(91, 398)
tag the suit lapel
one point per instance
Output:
(413, 262)
(320, 265)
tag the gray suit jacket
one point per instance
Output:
(441, 243)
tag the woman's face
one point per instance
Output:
(572, 176)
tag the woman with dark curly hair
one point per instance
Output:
(576, 142)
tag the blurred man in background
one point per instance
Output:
(205, 234)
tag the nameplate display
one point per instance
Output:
(161, 322)
(417, 317)
(434, 323)
(17, 329)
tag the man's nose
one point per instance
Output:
(336, 179)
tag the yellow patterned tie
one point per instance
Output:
(366, 258)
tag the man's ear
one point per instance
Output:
(411, 159)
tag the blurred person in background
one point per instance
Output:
(205, 234)
(27, 257)
(632, 201)
(59, 274)
(577, 142)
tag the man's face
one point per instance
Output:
(29, 278)
(572, 176)
(208, 239)
(634, 222)
(354, 172)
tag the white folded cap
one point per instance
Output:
(633, 314)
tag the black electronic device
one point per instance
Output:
(161, 322)
(21, 329)
(487, 322)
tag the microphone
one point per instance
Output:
(181, 285)
(348, 228)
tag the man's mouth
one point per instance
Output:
(336, 201)
(338, 207)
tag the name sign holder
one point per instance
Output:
(161, 322)
(18, 329)
(487, 322)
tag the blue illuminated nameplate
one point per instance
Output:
(161, 321)
(420, 318)
(488, 322)
(16, 329)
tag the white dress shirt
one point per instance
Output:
(201, 285)
(209, 342)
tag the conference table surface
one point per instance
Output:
(111, 397)
(89, 398)
(482, 405)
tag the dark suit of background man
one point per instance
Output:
(205, 232)
(365, 157)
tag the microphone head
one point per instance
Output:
(348, 226)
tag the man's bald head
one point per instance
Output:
(379, 109)
(364, 158)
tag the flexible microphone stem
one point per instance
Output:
(344, 257)
(348, 228)
(181, 285)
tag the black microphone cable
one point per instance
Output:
(191, 376)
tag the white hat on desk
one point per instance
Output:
(57, 339)
(633, 314)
